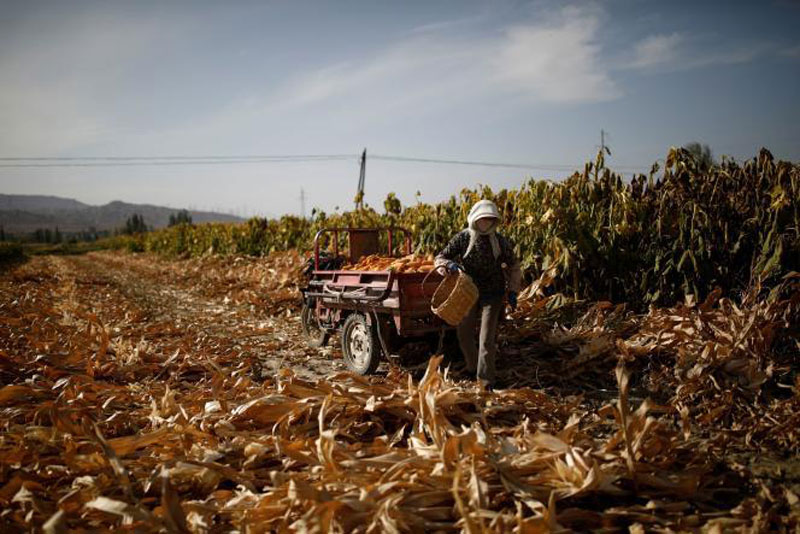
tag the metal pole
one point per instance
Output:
(361, 178)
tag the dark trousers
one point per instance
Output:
(480, 357)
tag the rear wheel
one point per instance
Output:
(360, 345)
(316, 336)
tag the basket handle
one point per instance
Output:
(422, 284)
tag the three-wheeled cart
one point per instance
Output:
(375, 312)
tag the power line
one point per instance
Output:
(155, 161)
(180, 158)
(136, 161)
(530, 166)
(466, 162)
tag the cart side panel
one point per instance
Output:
(415, 293)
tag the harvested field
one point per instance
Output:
(146, 394)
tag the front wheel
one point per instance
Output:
(316, 336)
(360, 345)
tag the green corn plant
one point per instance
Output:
(652, 239)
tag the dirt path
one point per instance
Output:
(174, 311)
(210, 307)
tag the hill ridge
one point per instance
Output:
(21, 214)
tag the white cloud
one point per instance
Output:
(559, 60)
(556, 59)
(52, 89)
(445, 24)
(792, 52)
(676, 51)
(726, 57)
(404, 71)
(76, 72)
(656, 50)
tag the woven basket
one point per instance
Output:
(454, 298)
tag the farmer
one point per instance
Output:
(488, 258)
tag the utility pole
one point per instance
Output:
(361, 177)
(302, 203)
(603, 148)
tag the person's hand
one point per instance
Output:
(452, 267)
(512, 300)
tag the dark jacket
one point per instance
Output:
(486, 271)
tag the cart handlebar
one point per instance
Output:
(354, 295)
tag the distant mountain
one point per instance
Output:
(39, 203)
(21, 214)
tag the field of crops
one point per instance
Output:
(648, 381)
(594, 236)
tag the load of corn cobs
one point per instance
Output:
(407, 264)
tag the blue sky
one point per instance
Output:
(504, 81)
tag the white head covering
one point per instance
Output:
(483, 209)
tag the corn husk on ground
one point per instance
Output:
(148, 395)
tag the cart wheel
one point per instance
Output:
(315, 336)
(360, 345)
